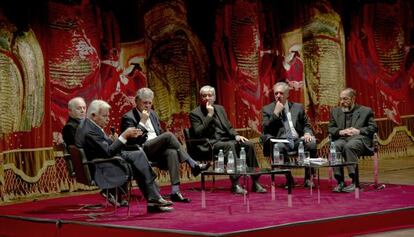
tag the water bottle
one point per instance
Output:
(332, 153)
(220, 162)
(242, 161)
(276, 155)
(230, 162)
(301, 152)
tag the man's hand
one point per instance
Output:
(131, 133)
(278, 108)
(241, 138)
(144, 116)
(210, 109)
(113, 136)
(308, 138)
(354, 131)
(348, 132)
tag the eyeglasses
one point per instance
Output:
(279, 92)
(345, 98)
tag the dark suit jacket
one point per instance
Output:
(132, 118)
(69, 131)
(273, 125)
(362, 119)
(97, 145)
(202, 126)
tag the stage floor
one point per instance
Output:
(226, 213)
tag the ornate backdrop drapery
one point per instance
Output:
(75, 49)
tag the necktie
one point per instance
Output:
(288, 131)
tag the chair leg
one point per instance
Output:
(357, 184)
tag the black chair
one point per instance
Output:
(193, 150)
(84, 169)
(371, 152)
(289, 157)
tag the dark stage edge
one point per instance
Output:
(338, 226)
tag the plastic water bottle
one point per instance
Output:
(230, 162)
(301, 152)
(220, 162)
(276, 155)
(332, 153)
(242, 161)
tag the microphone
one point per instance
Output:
(113, 130)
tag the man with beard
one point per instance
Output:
(352, 128)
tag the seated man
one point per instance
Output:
(92, 138)
(288, 120)
(77, 113)
(210, 121)
(352, 128)
(160, 147)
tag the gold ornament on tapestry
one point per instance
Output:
(22, 80)
(388, 34)
(29, 53)
(176, 59)
(324, 57)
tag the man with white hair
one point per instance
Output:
(160, 147)
(77, 113)
(209, 120)
(92, 138)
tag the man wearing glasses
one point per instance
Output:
(352, 128)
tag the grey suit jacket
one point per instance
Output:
(132, 118)
(362, 119)
(97, 145)
(273, 125)
(202, 126)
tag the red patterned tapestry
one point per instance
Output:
(244, 68)
(379, 63)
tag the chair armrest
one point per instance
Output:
(375, 142)
(132, 147)
(104, 160)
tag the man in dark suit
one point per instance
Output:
(92, 138)
(77, 113)
(159, 146)
(352, 128)
(210, 121)
(287, 120)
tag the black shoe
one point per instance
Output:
(198, 168)
(339, 187)
(161, 202)
(349, 188)
(158, 209)
(308, 184)
(123, 203)
(287, 185)
(237, 189)
(178, 197)
(109, 197)
(258, 188)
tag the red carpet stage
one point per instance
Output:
(226, 214)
